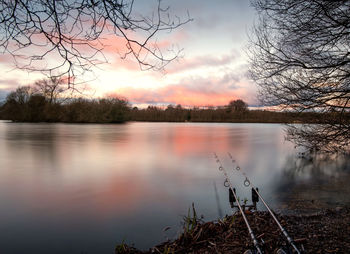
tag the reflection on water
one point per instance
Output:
(308, 184)
(67, 188)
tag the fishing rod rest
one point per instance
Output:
(232, 199)
(255, 196)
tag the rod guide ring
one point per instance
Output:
(226, 183)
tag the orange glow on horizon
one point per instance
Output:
(178, 94)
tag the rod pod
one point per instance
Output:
(284, 231)
(229, 185)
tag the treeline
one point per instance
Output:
(48, 101)
(27, 104)
(221, 114)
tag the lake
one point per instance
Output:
(70, 188)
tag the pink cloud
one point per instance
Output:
(9, 83)
(115, 47)
(192, 92)
(6, 58)
(178, 94)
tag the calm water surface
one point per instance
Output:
(67, 188)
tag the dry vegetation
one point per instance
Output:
(323, 232)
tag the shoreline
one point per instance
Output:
(148, 121)
(326, 231)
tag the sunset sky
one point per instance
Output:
(211, 71)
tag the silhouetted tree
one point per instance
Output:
(237, 106)
(300, 59)
(21, 95)
(112, 110)
(36, 109)
(51, 88)
(16, 104)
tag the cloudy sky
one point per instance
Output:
(211, 70)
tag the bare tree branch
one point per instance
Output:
(300, 58)
(65, 38)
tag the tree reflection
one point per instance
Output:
(326, 138)
(309, 183)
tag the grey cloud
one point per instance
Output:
(202, 61)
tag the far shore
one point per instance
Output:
(268, 121)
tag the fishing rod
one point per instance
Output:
(248, 182)
(228, 184)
